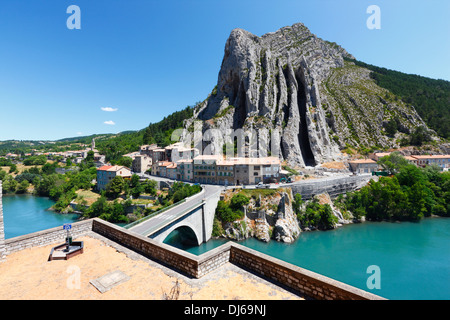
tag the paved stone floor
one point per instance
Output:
(122, 274)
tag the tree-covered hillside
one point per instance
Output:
(430, 97)
(158, 133)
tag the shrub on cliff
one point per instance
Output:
(226, 214)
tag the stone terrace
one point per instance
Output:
(222, 264)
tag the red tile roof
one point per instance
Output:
(104, 168)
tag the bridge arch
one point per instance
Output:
(183, 236)
(190, 231)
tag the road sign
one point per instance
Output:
(67, 226)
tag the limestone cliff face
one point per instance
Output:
(304, 91)
(267, 217)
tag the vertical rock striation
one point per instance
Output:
(281, 82)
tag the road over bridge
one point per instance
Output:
(194, 217)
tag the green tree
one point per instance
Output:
(327, 219)
(419, 136)
(393, 162)
(45, 185)
(238, 201)
(115, 187)
(125, 161)
(137, 191)
(226, 214)
(150, 187)
(297, 203)
(98, 207)
(9, 184)
(391, 127)
(23, 186)
(12, 168)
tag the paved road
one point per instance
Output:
(170, 214)
(167, 216)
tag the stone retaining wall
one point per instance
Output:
(332, 186)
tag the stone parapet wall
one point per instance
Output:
(213, 259)
(168, 255)
(301, 280)
(298, 279)
(306, 282)
(149, 248)
(45, 237)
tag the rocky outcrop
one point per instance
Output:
(324, 198)
(302, 92)
(266, 218)
(286, 228)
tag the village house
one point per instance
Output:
(106, 173)
(171, 171)
(185, 170)
(205, 168)
(256, 170)
(182, 163)
(147, 149)
(411, 160)
(225, 172)
(132, 155)
(363, 166)
(442, 161)
(141, 163)
(161, 168)
(378, 155)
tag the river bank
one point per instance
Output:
(26, 213)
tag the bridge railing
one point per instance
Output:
(163, 224)
(134, 223)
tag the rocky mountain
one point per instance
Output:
(305, 92)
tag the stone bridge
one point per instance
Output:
(192, 218)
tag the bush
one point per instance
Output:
(238, 201)
(317, 216)
(227, 214)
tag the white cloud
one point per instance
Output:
(110, 122)
(79, 133)
(109, 109)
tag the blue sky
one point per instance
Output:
(147, 59)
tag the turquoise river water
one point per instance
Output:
(413, 258)
(23, 214)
